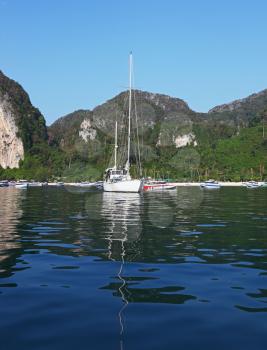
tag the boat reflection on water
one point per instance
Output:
(10, 214)
(122, 213)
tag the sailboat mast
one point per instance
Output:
(116, 145)
(130, 109)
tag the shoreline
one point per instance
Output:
(222, 183)
(178, 184)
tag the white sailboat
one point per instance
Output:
(119, 180)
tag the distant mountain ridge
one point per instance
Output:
(172, 135)
(257, 100)
(241, 112)
(244, 109)
(172, 116)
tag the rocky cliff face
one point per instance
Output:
(76, 126)
(11, 146)
(21, 125)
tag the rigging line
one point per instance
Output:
(137, 129)
(137, 136)
(129, 113)
(122, 155)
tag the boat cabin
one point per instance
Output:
(112, 174)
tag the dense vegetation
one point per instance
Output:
(231, 139)
(236, 158)
(41, 163)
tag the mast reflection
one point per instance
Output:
(121, 211)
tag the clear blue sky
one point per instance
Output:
(72, 54)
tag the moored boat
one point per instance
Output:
(23, 184)
(35, 184)
(210, 184)
(118, 179)
(56, 184)
(96, 184)
(253, 184)
(158, 186)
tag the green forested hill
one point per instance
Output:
(243, 156)
(227, 143)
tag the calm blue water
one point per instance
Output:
(183, 269)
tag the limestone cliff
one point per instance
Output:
(11, 146)
(21, 125)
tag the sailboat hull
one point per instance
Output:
(123, 186)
